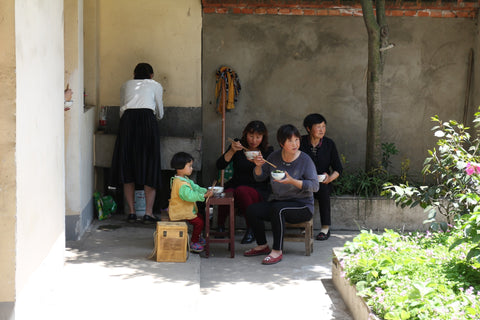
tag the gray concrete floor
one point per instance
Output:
(107, 275)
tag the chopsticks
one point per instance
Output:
(270, 164)
(213, 185)
(231, 140)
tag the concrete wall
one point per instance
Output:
(290, 66)
(166, 34)
(79, 128)
(39, 150)
(475, 92)
(377, 214)
(7, 163)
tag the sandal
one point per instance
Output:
(322, 236)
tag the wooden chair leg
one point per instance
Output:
(308, 238)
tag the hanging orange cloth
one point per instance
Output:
(227, 88)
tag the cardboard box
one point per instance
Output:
(171, 241)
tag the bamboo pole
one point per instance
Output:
(223, 102)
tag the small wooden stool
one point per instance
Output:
(226, 200)
(171, 241)
(306, 237)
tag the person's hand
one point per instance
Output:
(290, 180)
(287, 180)
(68, 94)
(67, 99)
(327, 178)
(258, 160)
(208, 194)
(236, 146)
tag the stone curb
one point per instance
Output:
(356, 304)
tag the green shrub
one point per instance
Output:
(370, 184)
(455, 169)
(413, 276)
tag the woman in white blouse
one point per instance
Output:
(136, 158)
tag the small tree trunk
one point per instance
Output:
(377, 38)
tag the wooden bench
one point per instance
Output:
(305, 235)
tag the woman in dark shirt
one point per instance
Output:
(243, 185)
(324, 154)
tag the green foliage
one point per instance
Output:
(370, 184)
(388, 149)
(470, 225)
(432, 276)
(455, 169)
(447, 167)
(414, 276)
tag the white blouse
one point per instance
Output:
(142, 94)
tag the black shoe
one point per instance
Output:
(322, 236)
(249, 237)
(132, 217)
(149, 219)
(220, 229)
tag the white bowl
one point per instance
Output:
(251, 154)
(278, 175)
(322, 177)
(216, 190)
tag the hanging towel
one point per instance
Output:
(227, 88)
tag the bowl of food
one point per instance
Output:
(278, 174)
(251, 154)
(322, 177)
(216, 190)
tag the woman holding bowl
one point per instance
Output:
(324, 154)
(246, 190)
(291, 199)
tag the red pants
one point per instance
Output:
(244, 196)
(197, 224)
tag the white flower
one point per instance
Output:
(439, 134)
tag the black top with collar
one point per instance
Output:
(324, 157)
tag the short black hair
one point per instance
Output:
(286, 132)
(312, 119)
(180, 159)
(143, 70)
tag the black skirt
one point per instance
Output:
(136, 157)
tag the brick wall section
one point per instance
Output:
(399, 8)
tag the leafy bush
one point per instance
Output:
(432, 276)
(447, 168)
(413, 276)
(369, 184)
(455, 169)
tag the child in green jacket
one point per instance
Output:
(185, 194)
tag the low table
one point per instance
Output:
(222, 200)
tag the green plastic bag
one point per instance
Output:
(227, 174)
(105, 206)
